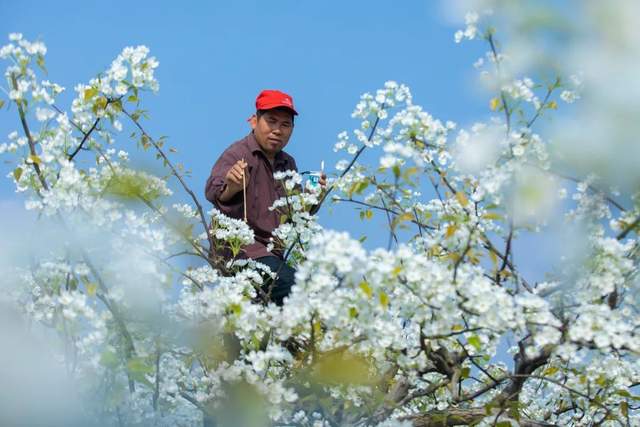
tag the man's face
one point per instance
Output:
(272, 130)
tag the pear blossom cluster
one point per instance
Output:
(298, 225)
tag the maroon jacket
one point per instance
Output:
(262, 191)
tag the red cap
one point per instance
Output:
(268, 99)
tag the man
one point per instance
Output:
(258, 156)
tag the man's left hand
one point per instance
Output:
(323, 181)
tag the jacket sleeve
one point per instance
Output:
(215, 186)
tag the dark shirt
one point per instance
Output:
(262, 191)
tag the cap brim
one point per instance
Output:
(272, 106)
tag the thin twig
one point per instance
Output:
(27, 132)
(628, 229)
(503, 97)
(85, 137)
(179, 177)
(381, 208)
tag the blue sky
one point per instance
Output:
(216, 56)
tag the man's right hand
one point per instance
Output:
(233, 180)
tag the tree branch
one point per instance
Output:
(175, 173)
(27, 132)
(460, 416)
(628, 229)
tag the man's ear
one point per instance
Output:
(253, 121)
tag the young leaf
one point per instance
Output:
(465, 372)
(451, 230)
(494, 258)
(384, 299)
(90, 93)
(366, 289)
(494, 104)
(474, 341)
(109, 359)
(491, 215)
(35, 159)
(40, 62)
(462, 198)
(17, 173)
(91, 289)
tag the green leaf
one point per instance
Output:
(408, 172)
(368, 214)
(625, 393)
(474, 341)
(462, 199)
(342, 368)
(396, 171)
(504, 424)
(34, 159)
(465, 372)
(366, 289)
(17, 173)
(1, 103)
(117, 105)
(131, 186)
(359, 187)
(109, 359)
(40, 62)
(353, 312)
(138, 368)
(551, 370)
(514, 410)
(488, 408)
(624, 409)
(91, 289)
(100, 104)
(144, 141)
(407, 216)
(90, 93)
(236, 309)
(451, 230)
(491, 215)
(384, 300)
(494, 104)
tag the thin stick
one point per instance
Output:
(244, 194)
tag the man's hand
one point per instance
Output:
(233, 180)
(323, 181)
